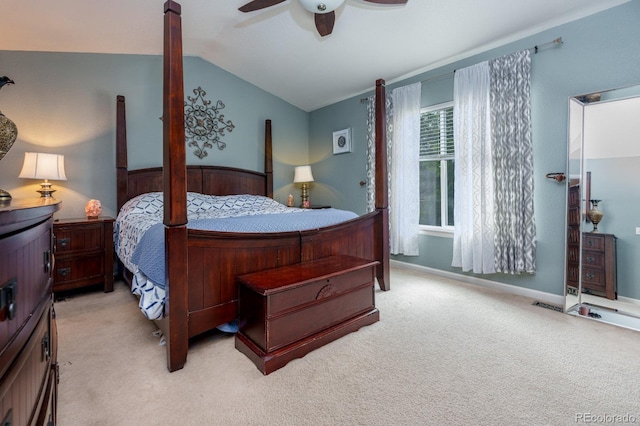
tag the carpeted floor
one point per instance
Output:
(443, 353)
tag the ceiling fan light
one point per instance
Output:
(321, 6)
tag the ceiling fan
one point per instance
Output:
(322, 9)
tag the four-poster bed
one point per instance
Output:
(202, 266)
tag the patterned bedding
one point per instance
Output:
(139, 232)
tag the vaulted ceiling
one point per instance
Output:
(279, 50)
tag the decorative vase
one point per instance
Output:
(93, 208)
(595, 215)
(8, 135)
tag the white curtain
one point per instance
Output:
(473, 236)
(494, 222)
(404, 194)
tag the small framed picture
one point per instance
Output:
(342, 141)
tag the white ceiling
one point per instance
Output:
(278, 49)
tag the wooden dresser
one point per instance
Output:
(84, 253)
(599, 264)
(28, 339)
(286, 312)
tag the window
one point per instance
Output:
(436, 167)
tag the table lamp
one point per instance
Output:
(38, 165)
(303, 175)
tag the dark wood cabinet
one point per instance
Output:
(84, 253)
(28, 338)
(286, 312)
(598, 254)
(599, 264)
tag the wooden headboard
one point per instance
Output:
(212, 180)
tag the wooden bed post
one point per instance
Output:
(121, 152)
(175, 191)
(268, 158)
(382, 193)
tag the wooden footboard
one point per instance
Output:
(217, 258)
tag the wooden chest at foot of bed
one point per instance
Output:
(285, 313)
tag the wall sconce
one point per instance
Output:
(43, 166)
(303, 175)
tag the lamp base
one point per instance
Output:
(305, 195)
(46, 193)
(4, 196)
(45, 190)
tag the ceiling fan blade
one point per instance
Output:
(324, 22)
(387, 1)
(258, 4)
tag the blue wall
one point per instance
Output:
(65, 103)
(599, 52)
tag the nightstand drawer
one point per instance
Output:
(88, 237)
(78, 268)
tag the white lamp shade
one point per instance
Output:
(302, 174)
(321, 6)
(38, 165)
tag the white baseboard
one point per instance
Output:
(553, 299)
(634, 302)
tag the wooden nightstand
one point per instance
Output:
(83, 253)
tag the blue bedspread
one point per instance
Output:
(149, 253)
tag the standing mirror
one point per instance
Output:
(602, 274)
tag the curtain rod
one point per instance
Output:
(535, 49)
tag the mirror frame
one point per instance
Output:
(572, 306)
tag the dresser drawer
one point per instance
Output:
(23, 386)
(592, 259)
(573, 253)
(593, 279)
(593, 242)
(573, 275)
(25, 277)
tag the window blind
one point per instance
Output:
(436, 134)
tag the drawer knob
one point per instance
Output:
(64, 242)
(64, 272)
(590, 275)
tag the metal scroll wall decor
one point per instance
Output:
(204, 124)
